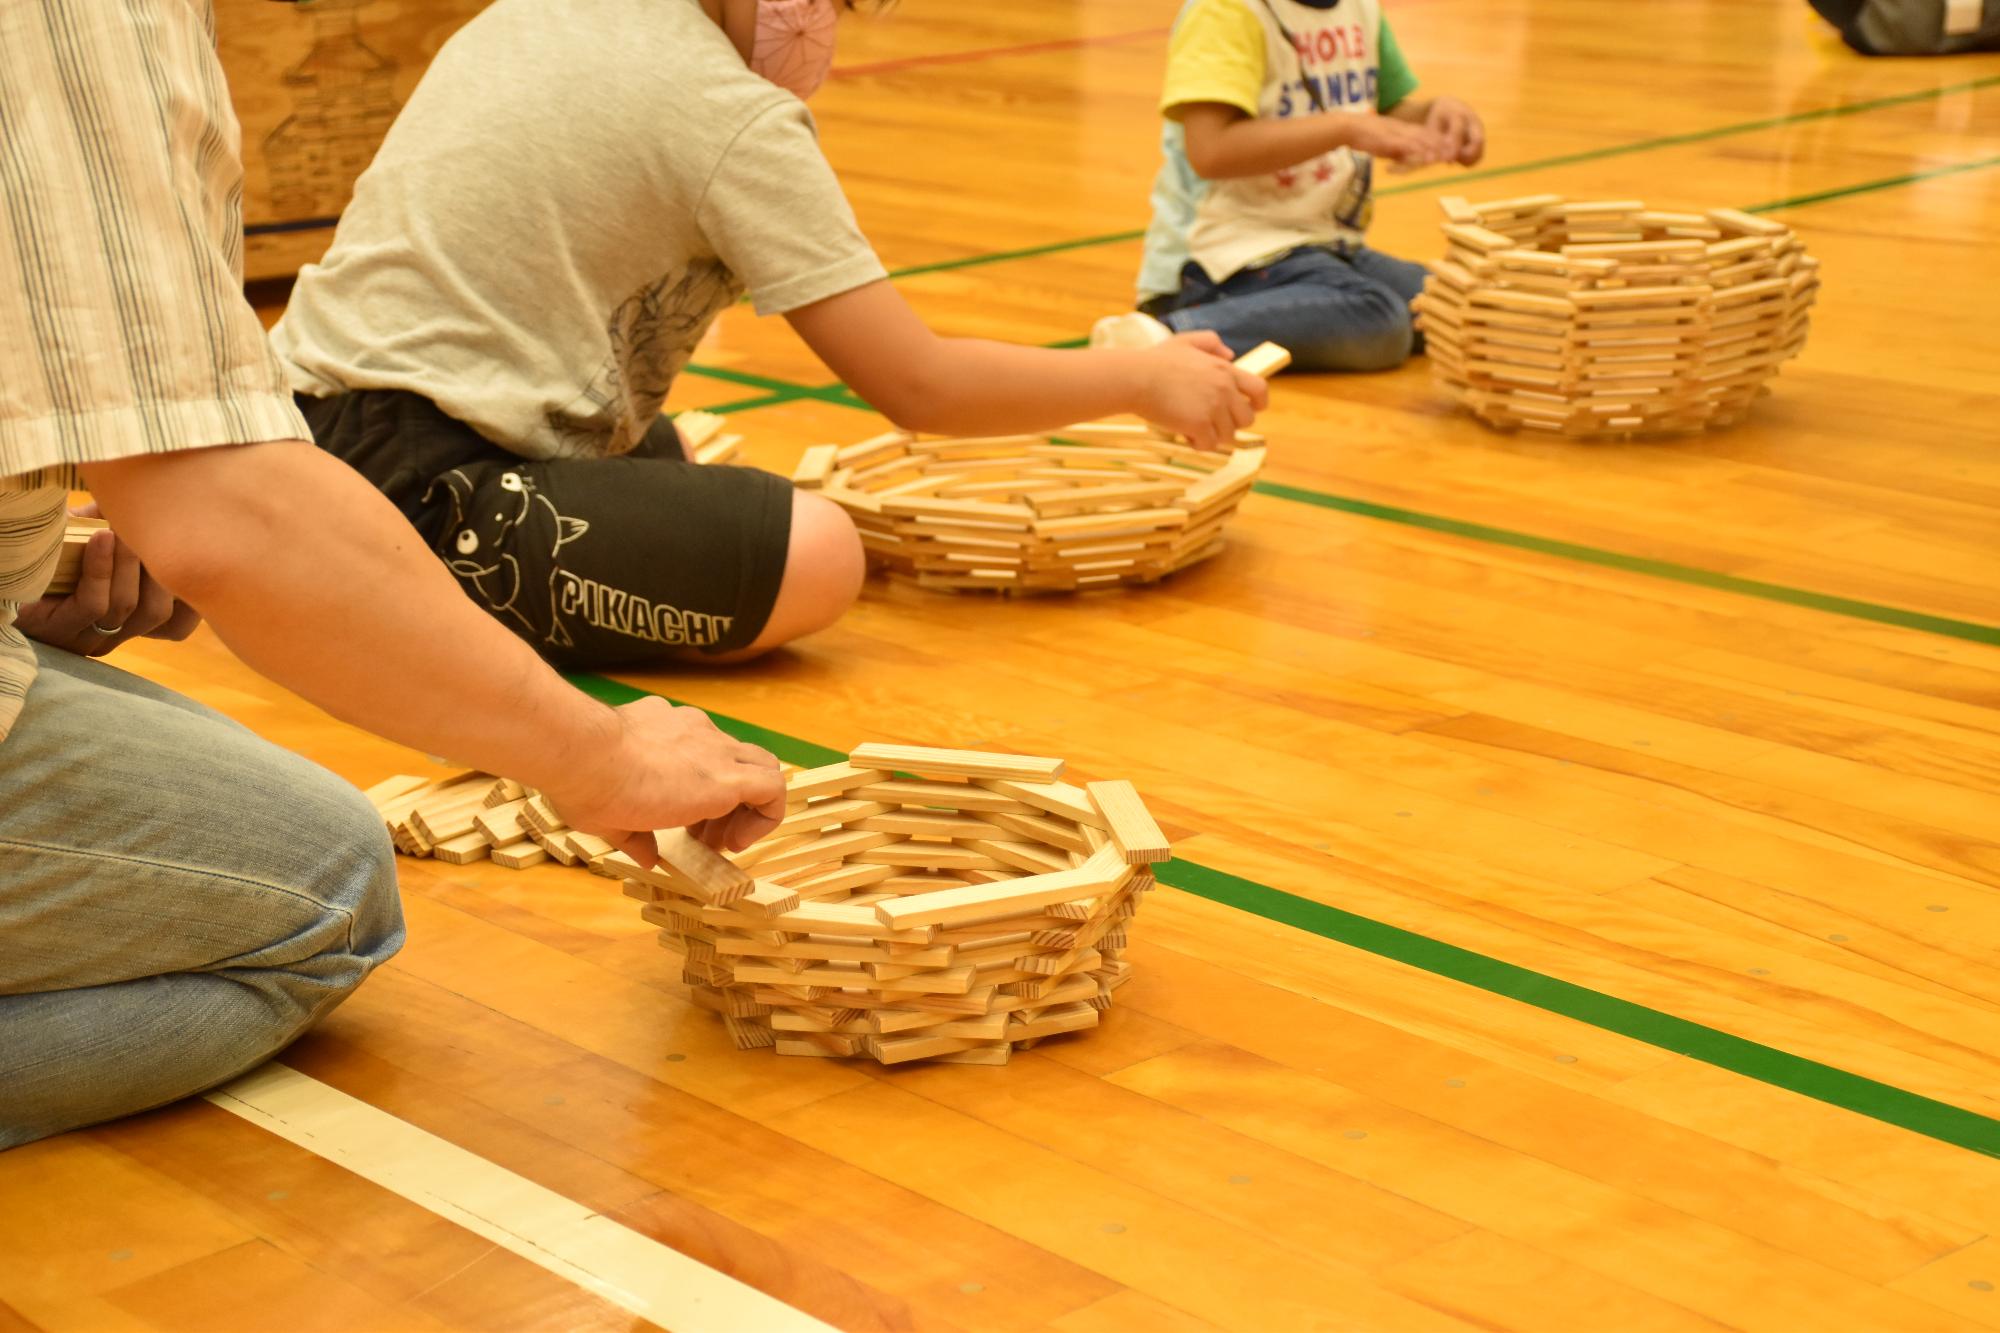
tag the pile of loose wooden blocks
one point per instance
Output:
(1609, 319)
(702, 437)
(1089, 506)
(915, 904)
(477, 817)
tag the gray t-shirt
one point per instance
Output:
(573, 193)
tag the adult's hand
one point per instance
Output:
(672, 767)
(115, 599)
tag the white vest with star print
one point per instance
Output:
(1316, 59)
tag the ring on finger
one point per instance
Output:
(107, 632)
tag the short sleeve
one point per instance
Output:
(123, 328)
(775, 215)
(1395, 81)
(1216, 55)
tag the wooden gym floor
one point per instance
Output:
(1590, 878)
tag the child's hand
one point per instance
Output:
(1191, 387)
(1407, 145)
(1461, 127)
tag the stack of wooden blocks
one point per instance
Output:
(1609, 319)
(477, 817)
(1090, 506)
(915, 904)
(69, 562)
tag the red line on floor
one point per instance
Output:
(993, 52)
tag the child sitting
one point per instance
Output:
(1276, 111)
(574, 192)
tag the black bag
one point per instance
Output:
(1915, 27)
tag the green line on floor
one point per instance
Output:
(1766, 1064)
(1869, 187)
(1454, 181)
(1970, 631)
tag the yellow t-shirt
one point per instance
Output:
(1281, 58)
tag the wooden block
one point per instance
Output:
(505, 790)
(958, 763)
(748, 1033)
(921, 823)
(822, 815)
(539, 815)
(697, 428)
(502, 824)
(463, 850)
(1130, 824)
(1030, 857)
(1239, 472)
(1478, 238)
(812, 851)
(1264, 360)
(587, 846)
(888, 445)
(1104, 871)
(520, 856)
(813, 883)
(1730, 219)
(723, 449)
(815, 467)
(998, 1053)
(1061, 1018)
(699, 870)
(845, 919)
(831, 780)
(390, 790)
(449, 814)
(899, 1050)
(556, 846)
(934, 855)
(768, 899)
(1054, 798)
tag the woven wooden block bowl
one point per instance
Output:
(1090, 506)
(1611, 319)
(915, 904)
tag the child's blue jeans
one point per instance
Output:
(178, 899)
(1331, 311)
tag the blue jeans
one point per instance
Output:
(1331, 311)
(178, 899)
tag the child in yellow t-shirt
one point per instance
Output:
(1276, 111)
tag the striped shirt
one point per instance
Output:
(123, 328)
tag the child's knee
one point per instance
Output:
(824, 567)
(1383, 340)
(826, 561)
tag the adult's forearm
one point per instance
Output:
(315, 580)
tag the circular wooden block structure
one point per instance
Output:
(915, 904)
(1090, 506)
(1610, 319)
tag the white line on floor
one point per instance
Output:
(579, 1246)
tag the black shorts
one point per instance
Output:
(596, 562)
